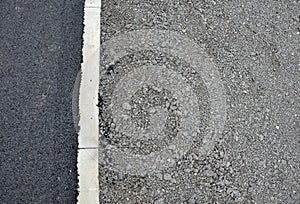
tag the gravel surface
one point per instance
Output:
(251, 50)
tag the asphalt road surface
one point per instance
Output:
(40, 58)
(247, 94)
(199, 102)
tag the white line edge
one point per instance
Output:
(87, 159)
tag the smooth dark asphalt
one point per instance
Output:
(40, 56)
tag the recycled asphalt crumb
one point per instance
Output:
(255, 46)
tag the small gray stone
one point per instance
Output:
(167, 177)
(126, 106)
(159, 201)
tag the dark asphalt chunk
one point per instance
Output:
(40, 57)
(255, 47)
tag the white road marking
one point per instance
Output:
(88, 110)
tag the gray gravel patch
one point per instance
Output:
(254, 47)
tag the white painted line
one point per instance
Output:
(88, 93)
(88, 111)
(93, 3)
(88, 176)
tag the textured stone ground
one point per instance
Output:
(254, 47)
